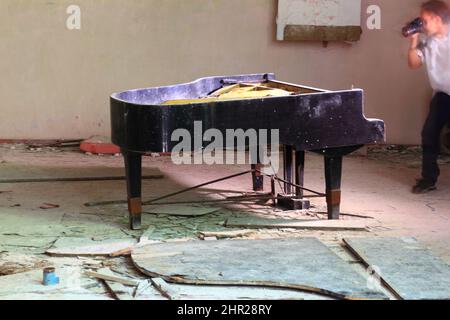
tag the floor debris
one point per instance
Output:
(28, 222)
(119, 290)
(408, 268)
(104, 248)
(324, 225)
(25, 244)
(27, 232)
(29, 286)
(109, 276)
(11, 263)
(198, 292)
(225, 234)
(142, 287)
(209, 238)
(279, 263)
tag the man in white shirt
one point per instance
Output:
(434, 53)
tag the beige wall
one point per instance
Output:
(55, 83)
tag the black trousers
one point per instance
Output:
(438, 117)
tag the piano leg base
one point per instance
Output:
(334, 212)
(333, 204)
(135, 222)
(293, 204)
(135, 211)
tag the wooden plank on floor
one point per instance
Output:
(109, 276)
(322, 225)
(409, 269)
(198, 292)
(303, 264)
(226, 234)
(115, 286)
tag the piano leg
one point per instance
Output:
(333, 174)
(290, 173)
(299, 172)
(287, 156)
(133, 171)
(258, 178)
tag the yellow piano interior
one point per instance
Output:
(243, 90)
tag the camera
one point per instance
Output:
(415, 26)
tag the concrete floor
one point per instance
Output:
(377, 185)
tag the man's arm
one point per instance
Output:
(414, 60)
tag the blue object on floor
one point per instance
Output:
(50, 278)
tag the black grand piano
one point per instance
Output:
(330, 123)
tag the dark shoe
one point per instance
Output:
(423, 186)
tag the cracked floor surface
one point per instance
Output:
(377, 185)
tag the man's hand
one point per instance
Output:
(414, 61)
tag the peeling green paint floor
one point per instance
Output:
(27, 231)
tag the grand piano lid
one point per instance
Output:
(202, 88)
(316, 120)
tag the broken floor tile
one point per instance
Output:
(88, 247)
(28, 222)
(20, 243)
(28, 286)
(12, 263)
(199, 263)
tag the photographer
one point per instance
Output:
(433, 52)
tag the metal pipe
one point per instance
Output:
(227, 200)
(196, 187)
(113, 202)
